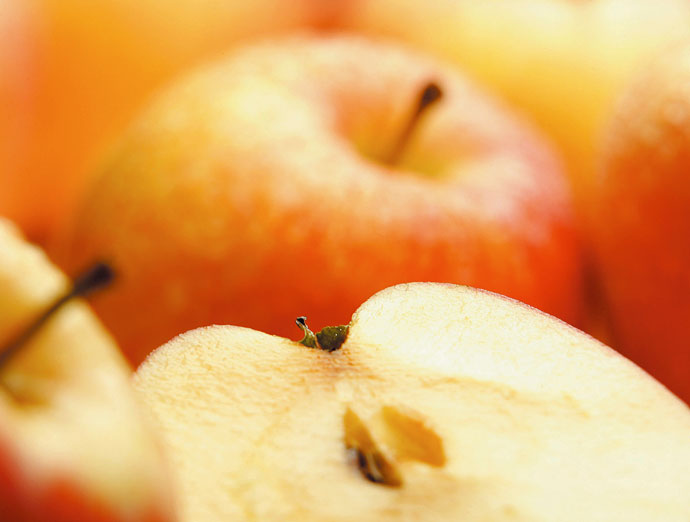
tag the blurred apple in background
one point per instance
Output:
(17, 85)
(274, 182)
(97, 63)
(440, 403)
(74, 445)
(643, 220)
(562, 61)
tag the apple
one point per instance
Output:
(643, 218)
(74, 445)
(97, 62)
(17, 62)
(437, 402)
(307, 174)
(563, 62)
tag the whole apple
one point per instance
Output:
(643, 221)
(437, 403)
(96, 64)
(274, 182)
(74, 445)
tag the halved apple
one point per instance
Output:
(73, 443)
(438, 402)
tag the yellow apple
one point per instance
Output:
(73, 444)
(253, 188)
(437, 402)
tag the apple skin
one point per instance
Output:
(74, 444)
(562, 62)
(643, 218)
(486, 409)
(251, 191)
(17, 85)
(97, 62)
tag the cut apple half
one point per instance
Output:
(443, 402)
(74, 445)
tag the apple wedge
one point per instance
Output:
(73, 443)
(438, 402)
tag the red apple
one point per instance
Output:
(436, 403)
(276, 181)
(643, 221)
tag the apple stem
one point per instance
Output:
(428, 97)
(329, 339)
(309, 338)
(94, 278)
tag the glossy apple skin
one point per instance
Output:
(249, 193)
(97, 63)
(643, 221)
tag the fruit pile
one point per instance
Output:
(447, 190)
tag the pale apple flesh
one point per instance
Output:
(443, 403)
(74, 445)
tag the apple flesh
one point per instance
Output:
(441, 402)
(73, 444)
(253, 189)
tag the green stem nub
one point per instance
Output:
(430, 94)
(309, 338)
(329, 339)
(94, 278)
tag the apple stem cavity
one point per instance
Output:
(430, 94)
(329, 339)
(96, 277)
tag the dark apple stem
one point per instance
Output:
(428, 97)
(94, 278)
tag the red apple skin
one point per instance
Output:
(17, 86)
(241, 196)
(643, 221)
